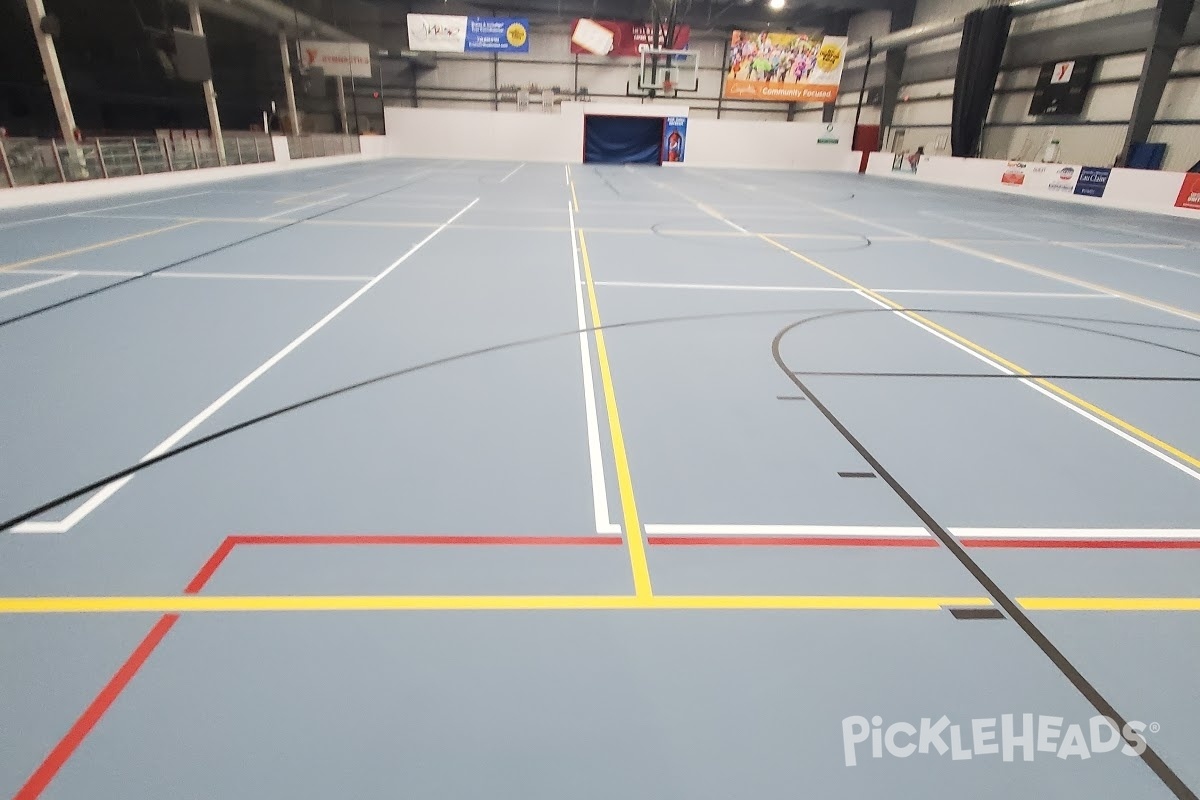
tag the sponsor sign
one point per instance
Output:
(1063, 180)
(1189, 192)
(337, 59)
(785, 67)
(1092, 181)
(1014, 174)
(827, 137)
(440, 33)
(603, 37)
(674, 139)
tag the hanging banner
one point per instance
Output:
(1189, 192)
(337, 59)
(602, 37)
(674, 139)
(448, 34)
(785, 67)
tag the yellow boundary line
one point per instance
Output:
(1074, 399)
(256, 603)
(629, 512)
(87, 248)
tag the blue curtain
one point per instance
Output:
(622, 140)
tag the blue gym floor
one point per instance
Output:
(674, 483)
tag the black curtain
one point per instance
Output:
(622, 140)
(985, 35)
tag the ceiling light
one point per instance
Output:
(776, 5)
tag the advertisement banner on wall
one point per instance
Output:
(1092, 181)
(1063, 180)
(674, 139)
(603, 37)
(337, 59)
(1014, 174)
(785, 67)
(1189, 192)
(440, 33)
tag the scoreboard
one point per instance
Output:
(1062, 87)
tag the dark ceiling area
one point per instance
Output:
(121, 81)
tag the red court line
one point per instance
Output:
(417, 539)
(795, 541)
(66, 747)
(1088, 544)
(211, 566)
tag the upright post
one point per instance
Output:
(6, 166)
(341, 100)
(58, 87)
(286, 58)
(210, 94)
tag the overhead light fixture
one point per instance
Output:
(776, 5)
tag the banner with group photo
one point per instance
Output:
(785, 67)
(602, 37)
(448, 34)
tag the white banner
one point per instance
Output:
(437, 33)
(337, 59)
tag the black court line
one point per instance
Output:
(156, 270)
(857, 475)
(790, 397)
(1148, 755)
(976, 613)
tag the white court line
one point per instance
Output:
(753, 530)
(94, 210)
(595, 461)
(94, 502)
(1161, 456)
(723, 287)
(261, 276)
(785, 530)
(44, 282)
(291, 209)
(983, 225)
(1130, 259)
(514, 172)
(85, 273)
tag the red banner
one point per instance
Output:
(603, 37)
(1189, 193)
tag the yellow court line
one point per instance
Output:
(574, 199)
(266, 603)
(633, 525)
(1070, 397)
(248, 603)
(64, 253)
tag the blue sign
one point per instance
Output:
(497, 35)
(674, 139)
(1092, 181)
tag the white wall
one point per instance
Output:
(558, 137)
(1134, 189)
(484, 134)
(767, 145)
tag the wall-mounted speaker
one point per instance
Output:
(50, 25)
(191, 57)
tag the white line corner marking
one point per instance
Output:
(94, 502)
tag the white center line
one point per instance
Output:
(599, 490)
(293, 209)
(85, 212)
(36, 284)
(94, 502)
(514, 172)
